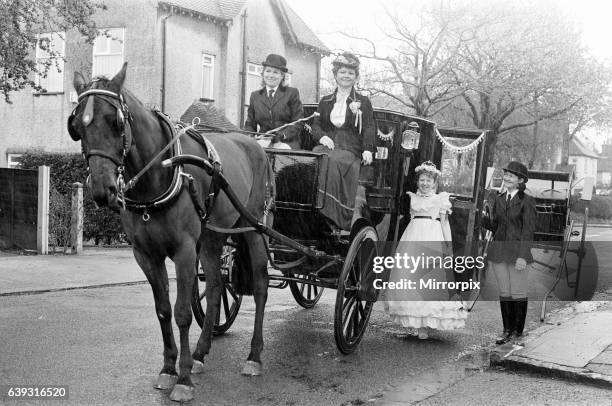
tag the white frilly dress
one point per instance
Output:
(405, 308)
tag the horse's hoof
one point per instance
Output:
(252, 368)
(182, 393)
(198, 367)
(165, 381)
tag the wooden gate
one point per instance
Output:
(21, 207)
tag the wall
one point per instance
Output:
(39, 121)
(585, 166)
(187, 38)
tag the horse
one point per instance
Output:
(119, 137)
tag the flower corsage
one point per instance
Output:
(355, 107)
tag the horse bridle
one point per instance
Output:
(123, 124)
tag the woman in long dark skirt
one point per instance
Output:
(345, 129)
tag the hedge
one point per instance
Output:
(100, 224)
(599, 206)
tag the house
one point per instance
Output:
(604, 167)
(177, 51)
(584, 160)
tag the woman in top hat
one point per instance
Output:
(513, 219)
(275, 105)
(345, 129)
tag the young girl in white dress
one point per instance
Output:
(429, 223)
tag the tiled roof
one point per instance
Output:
(221, 9)
(577, 148)
(295, 29)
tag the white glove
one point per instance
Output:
(366, 157)
(326, 141)
(521, 264)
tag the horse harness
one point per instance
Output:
(124, 119)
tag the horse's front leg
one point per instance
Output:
(259, 261)
(184, 260)
(157, 275)
(210, 258)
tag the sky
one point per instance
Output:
(326, 17)
(364, 17)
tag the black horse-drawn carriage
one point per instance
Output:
(326, 257)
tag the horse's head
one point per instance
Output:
(101, 121)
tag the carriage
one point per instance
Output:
(311, 255)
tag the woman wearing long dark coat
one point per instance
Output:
(512, 221)
(345, 129)
(275, 105)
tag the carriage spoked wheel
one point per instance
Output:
(230, 300)
(305, 294)
(356, 294)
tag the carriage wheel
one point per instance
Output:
(356, 295)
(230, 300)
(305, 294)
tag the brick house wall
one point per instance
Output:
(39, 121)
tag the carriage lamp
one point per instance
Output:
(410, 137)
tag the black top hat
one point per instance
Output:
(518, 169)
(276, 61)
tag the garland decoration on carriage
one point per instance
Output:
(386, 137)
(459, 150)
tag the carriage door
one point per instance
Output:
(463, 173)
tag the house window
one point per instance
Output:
(253, 79)
(208, 76)
(108, 52)
(50, 52)
(13, 160)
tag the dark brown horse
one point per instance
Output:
(119, 137)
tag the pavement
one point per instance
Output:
(574, 342)
(31, 274)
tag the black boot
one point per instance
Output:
(520, 314)
(507, 318)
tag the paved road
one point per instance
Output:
(105, 344)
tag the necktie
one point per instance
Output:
(508, 198)
(271, 94)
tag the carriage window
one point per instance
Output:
(108, 52)
(208, 75)
(50, 52)
(458, 170)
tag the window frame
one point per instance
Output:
(211, 75)
(57, 60)
(11, 162)
(108, 48)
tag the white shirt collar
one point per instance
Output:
(512, 194)
(271, 88)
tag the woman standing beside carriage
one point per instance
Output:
(275, 105)
(512, 221)
(345, 130)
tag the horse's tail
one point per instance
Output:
(243, 275)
